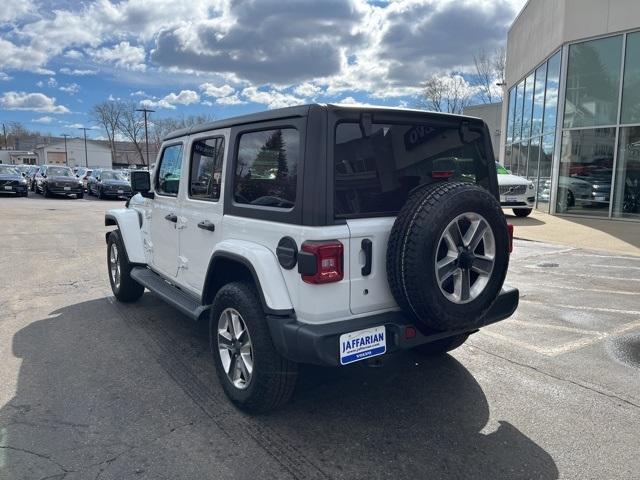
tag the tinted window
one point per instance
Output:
(206, 168)
(267, 168)
(168, 179)
(374, 174)
(59, 172)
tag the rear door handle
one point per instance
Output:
(206, 225)
(172, 217)
(367, 246)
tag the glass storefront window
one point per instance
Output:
(593, 83)
(626, 197)
(512, 104)
(527, 108)
(551, 94)
(538, 100)
(508, 152)
(517, 112)
(586, 160)
(544, 172)
(534, 155)
(631, 87)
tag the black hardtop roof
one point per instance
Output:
(296, 111)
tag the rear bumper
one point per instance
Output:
(14, 189)
(319, 344)
(62, 191)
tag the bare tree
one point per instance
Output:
(489, 73)
(131, 126)
(161, 127)
(107, 116)
(446, 93)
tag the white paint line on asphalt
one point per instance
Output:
(595, 255)
(581, 275)
(561, 328)
(582, 307)
(580, 289)
(614, 266)
(591, 339)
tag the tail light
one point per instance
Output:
(321, 261)
(510, 231)
(443, 174)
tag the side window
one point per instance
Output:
(168, 177)
(267, 168)
(205, 174)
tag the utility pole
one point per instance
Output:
(86, 157)
(146, 135)
(66, 156)
(4, 131)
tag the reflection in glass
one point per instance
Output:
(517, 112)
(544, 181)
(534, 155)
(538, 100)
(520, 158)
(527, 108)
(586, 167)
(631, 88)
(508, 153)
(551, 95)
(626, 198)
(593, 81)
(512, 104)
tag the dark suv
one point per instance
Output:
(58, 180)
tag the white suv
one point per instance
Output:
(318, 234)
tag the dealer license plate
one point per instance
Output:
(8, 188)
(67, 188)
(510, 199)
(363, 344)
(120, 191)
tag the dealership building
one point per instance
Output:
(571, 122)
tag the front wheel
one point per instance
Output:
(255, 377)
(522, 212)
(124, 288)
(45, 191)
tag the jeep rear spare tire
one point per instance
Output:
(448, 255)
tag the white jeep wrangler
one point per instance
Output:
(318, 234)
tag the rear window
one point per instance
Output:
(375, 173)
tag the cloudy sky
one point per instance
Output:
(227, 57)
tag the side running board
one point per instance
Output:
(171, 294)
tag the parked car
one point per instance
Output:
(22, 169)
(516, 192)
(111, 184)
(298, 253)
(12, 182)
(92, 180)
(31, 178)
(58, 180)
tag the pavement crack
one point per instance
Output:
(39, 455)
(562, 379)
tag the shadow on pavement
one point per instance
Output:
(89, 396)
(626, 231)
(523, 221)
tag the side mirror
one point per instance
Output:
(141, 183)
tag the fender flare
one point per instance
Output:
(264, 268)
(128, 222)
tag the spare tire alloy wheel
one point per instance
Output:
(465, 261)
(234, 348)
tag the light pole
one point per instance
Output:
(86, 157)
(4, 130)
(66, 157)
(146, 135)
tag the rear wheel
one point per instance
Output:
(522, 212)
(255, 377)
(440, 347)
(124, 288)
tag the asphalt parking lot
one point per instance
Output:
(90, 388)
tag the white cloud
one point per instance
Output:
(349, 101)
(46, 120)
(70, 88)
(230, 100)
(73, 54)
(271, 98)
(123, 55)
(210, 90)
(14, 10)
(35, 102)
(307, 90)
(52, 82)
(4, 77)
(185, 97)
(76, 72)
